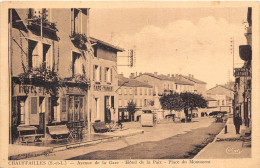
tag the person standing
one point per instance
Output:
(237, 122)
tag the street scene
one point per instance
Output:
(130, 83)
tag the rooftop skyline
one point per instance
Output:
(175, 40)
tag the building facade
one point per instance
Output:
(58, 72)
(243, 77)
(132, 90)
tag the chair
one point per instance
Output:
(59, 132)
(100, 127)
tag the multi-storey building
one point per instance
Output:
(243, 77)
(59, 74)
(223, 96)
(132, 90)
(199, 86)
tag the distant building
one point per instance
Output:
(132, 90)
(199, 86)
(223, 96)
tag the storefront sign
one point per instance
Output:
(29, 89)
(241, 72)
(104, 88)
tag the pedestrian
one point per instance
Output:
(237, 122)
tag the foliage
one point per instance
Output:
(131, 108)
(171, 102)
(192, 101)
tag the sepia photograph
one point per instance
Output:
(130, 85)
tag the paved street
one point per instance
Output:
(168, 140)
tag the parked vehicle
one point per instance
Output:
(219, 117)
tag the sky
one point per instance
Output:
(175, 40)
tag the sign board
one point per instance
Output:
(241, 72)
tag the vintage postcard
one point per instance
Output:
(130, 84)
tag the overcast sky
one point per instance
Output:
(175, 41)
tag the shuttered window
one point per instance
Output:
(63, 105)
(34, 105)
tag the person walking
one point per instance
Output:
(237, 122)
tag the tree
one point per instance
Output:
(131, 108)
(192, 101)
(171, 102)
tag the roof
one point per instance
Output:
(210, 99)
(122, 81)
(106, 44)
(164, 77)
(194, 80)
(222, 87)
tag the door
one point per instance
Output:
(34, 111)
(107, 110)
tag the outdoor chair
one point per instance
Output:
(59, 132)
(100, 127)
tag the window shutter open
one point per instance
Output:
(94, 72)
(111, 74)
(100, 74)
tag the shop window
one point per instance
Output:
(97, 73)
(77, 64)
(108, 75)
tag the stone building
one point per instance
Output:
(59, 74)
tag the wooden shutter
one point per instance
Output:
(93, 72)
(105, 79)
(111, 75)
(63, 108)
(34, 115)
(100, 74)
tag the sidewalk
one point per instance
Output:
(226, 146)
(34, 150)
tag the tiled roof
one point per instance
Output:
(164, 77)
(210, 98)
(122, 81)
(194, 80)
(222, 87)
(106, 44)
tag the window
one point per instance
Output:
(108, 75)
(39, 54)
(131, 91)
(145, 91)
(125, 91)
(77, 64)
(76, 21)
(168, 86)
(141, 91)
(120, 103)
(141, 102)
(97, 73)
(176, 87)
(125, 102)
(136, 91)
(120, 91)
(145, 102)
(22, 111)
(150, 91)
(223, 102)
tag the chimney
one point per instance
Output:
(172, 75)
(132, 75)
(155, 73)
(189, 75)
(120, 75)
